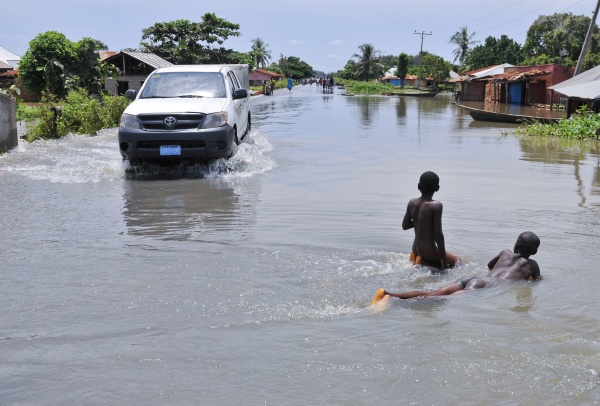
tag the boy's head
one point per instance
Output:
(527, 244)
(429, 182)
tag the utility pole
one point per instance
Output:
(588, 42)
(423, 33)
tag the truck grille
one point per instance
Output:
(157, 144)
(158, 122)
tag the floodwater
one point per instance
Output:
(248, 282)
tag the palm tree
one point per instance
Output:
(261, 54)
(368, 66)
(464, 41)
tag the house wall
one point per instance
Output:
(473, 91)
(256, 78)
(558, 73)
(127, 82)
(8, 123)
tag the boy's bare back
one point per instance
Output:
(425, 215)
(510, 265)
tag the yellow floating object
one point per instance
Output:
(380, 301)
(378, 296)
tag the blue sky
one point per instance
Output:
(325, 34)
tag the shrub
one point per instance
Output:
(580, 126)
(78, 113)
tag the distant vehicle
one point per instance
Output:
(186, 113)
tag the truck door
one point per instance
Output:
(241, 106)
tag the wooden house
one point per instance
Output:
(508, 84)
(134, 67)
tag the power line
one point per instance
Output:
(523, 16)
(484, 17)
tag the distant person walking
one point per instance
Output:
(290, 84)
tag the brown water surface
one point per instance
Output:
(248, 281)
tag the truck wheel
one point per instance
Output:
(249, 126)
(235, 137)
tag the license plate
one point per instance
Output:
(170, 150)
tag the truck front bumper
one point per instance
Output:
(199, 145)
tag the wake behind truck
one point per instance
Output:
(186, 113)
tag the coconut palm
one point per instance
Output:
(261, 54)
(368, 66)
(464, 40)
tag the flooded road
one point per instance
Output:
(248, 282)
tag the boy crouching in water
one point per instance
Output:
(425, 215)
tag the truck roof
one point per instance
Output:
(199, 68)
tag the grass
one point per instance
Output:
(581, 126)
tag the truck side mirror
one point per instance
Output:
(130, 94)
(240, 94)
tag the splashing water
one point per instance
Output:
(82, 159)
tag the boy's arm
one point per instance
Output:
(535, 270)
(493, 262)
(407, 222)
(438, 235)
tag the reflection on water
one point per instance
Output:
(565, 152)
(417, 108)
(181, 210)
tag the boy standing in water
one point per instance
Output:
(507, 265)
(425, 215)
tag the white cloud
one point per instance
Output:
(333, 56)
(337, 42)
(295, 42)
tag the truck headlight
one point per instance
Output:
(130, 121)
(215, 120)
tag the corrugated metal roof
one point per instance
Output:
(488, 71)
(10, 73)
(9, 58)
(588, 76)
(4, 65)
(150, 59)
(589, 90)
(268, 72)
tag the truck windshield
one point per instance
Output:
(184, 84)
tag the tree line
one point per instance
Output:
(55, 65)
(556, 38)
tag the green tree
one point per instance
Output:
(402, 67)
(493, 52)
(100, 46)
(436, 67)
(293, 67)
(54, 64)
(464, 41)
(42, 66)
(349, 70)
(367, 66)
(560, 33)
(260, 52)
(185, 42)
(274, 67)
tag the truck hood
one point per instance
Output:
(176, 105)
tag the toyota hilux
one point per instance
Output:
(186, 113)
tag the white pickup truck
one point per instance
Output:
(186, 113)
